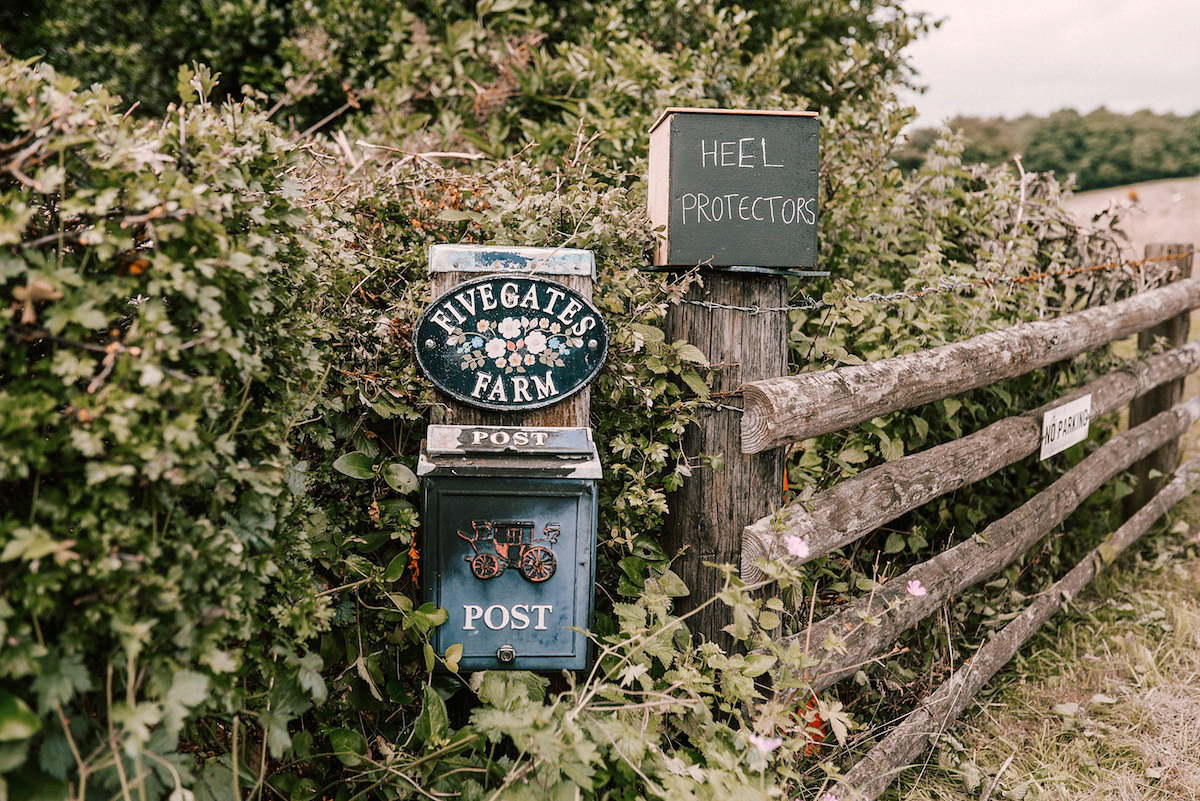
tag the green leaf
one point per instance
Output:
(430, 656)
(433, 724)
(304, 790)
(395, 568)
(696, 383)
(648, 332)
(690, 353)
(894, 544)
(348, 745)
(455, 215)
(453, 655)
(188, 690)
(17, 720)
(672, 584)
(1108, 553)
(355, 464)
(399, 478)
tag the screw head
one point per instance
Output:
(506, 654)
(430, 344)
(593, 344)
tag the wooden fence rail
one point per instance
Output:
(871, 776)
(778, 411)
(839, 516)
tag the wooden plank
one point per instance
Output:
(708, 513)
(788, 409)
(1174, 332)
(863, 503)
(864, 628)
(875, 772)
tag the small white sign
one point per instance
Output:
(1066, 425)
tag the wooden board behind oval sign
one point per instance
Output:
(508, 342)
(735, 188)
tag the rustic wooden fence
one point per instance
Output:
(780, 411)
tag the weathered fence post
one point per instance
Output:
(710, 511)
(1175, 333)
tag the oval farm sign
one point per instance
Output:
(508, 343)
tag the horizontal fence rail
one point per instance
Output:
(874, 772)
(779, 411)
(863, 628)
(839, 516)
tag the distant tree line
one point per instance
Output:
(1101, 148)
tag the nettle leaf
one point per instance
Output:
(61, 679)
(355, 464)
(690, 353)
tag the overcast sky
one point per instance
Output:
(1008, 57)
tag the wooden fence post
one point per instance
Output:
(1175, 333)
(708, 513)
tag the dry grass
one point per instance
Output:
(1103, 704)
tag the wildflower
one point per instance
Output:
(797, 547)
(765, 744)
(916, 588)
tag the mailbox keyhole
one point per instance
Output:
(506, 654)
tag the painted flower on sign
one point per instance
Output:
(496, 348)
(515, 344)
(510, 328)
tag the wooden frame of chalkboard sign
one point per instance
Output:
(735, 189)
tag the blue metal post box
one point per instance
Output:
(509, 543)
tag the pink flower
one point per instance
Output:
(916, 588)
(829, 797)
(797, 547)
(765, 744)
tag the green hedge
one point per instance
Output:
(209, 413)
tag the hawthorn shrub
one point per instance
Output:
(210, 412)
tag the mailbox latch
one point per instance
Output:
(506, 654)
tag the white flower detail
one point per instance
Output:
(765, 744)
(536, 342)
(509, 327)
(916, 588)
(797, 547)
(514, 360)
(496, 348)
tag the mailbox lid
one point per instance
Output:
(525, 451)
(512, 561)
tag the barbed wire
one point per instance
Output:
(944, 284)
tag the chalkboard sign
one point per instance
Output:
(735, 188)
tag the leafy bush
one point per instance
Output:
(210, 410)
(158, 354)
